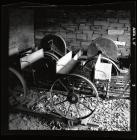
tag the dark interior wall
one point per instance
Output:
(79, 26)
(21, 29)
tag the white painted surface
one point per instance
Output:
(63, 61)
(102, 70)
(77, 55)
(120, 43)
(29, 59)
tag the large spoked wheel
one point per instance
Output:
(54, 43)
(16, 87)
(45, 68)
(89, 66)
(74, 96)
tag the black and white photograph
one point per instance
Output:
(70, 68)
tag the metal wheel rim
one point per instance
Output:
(52, 55)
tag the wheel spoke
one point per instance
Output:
(73, 88)
(60, 102)
(77, 110)
(81, 88)
(45, 66)
(59, 92)
(68, 109)
(88, 68)
(86, 106)
(42, 65)
(63, 85)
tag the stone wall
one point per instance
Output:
(79, 27)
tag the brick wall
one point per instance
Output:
(80, 27)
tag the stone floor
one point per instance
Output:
(113, 115)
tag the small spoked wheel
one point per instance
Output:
(74, 96)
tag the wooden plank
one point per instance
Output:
(63, 61)
(29, 59)
(68, 67)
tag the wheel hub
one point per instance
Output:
(72, 98)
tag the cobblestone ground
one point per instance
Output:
(112, 115)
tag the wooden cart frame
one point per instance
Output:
(73, 95)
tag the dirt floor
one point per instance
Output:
(113, 115)
(110, 115)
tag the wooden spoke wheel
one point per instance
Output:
(74, 97)
(51, 56)
(16, 87)
(54, 43)
(45, 68)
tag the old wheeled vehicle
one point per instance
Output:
(75, 82)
